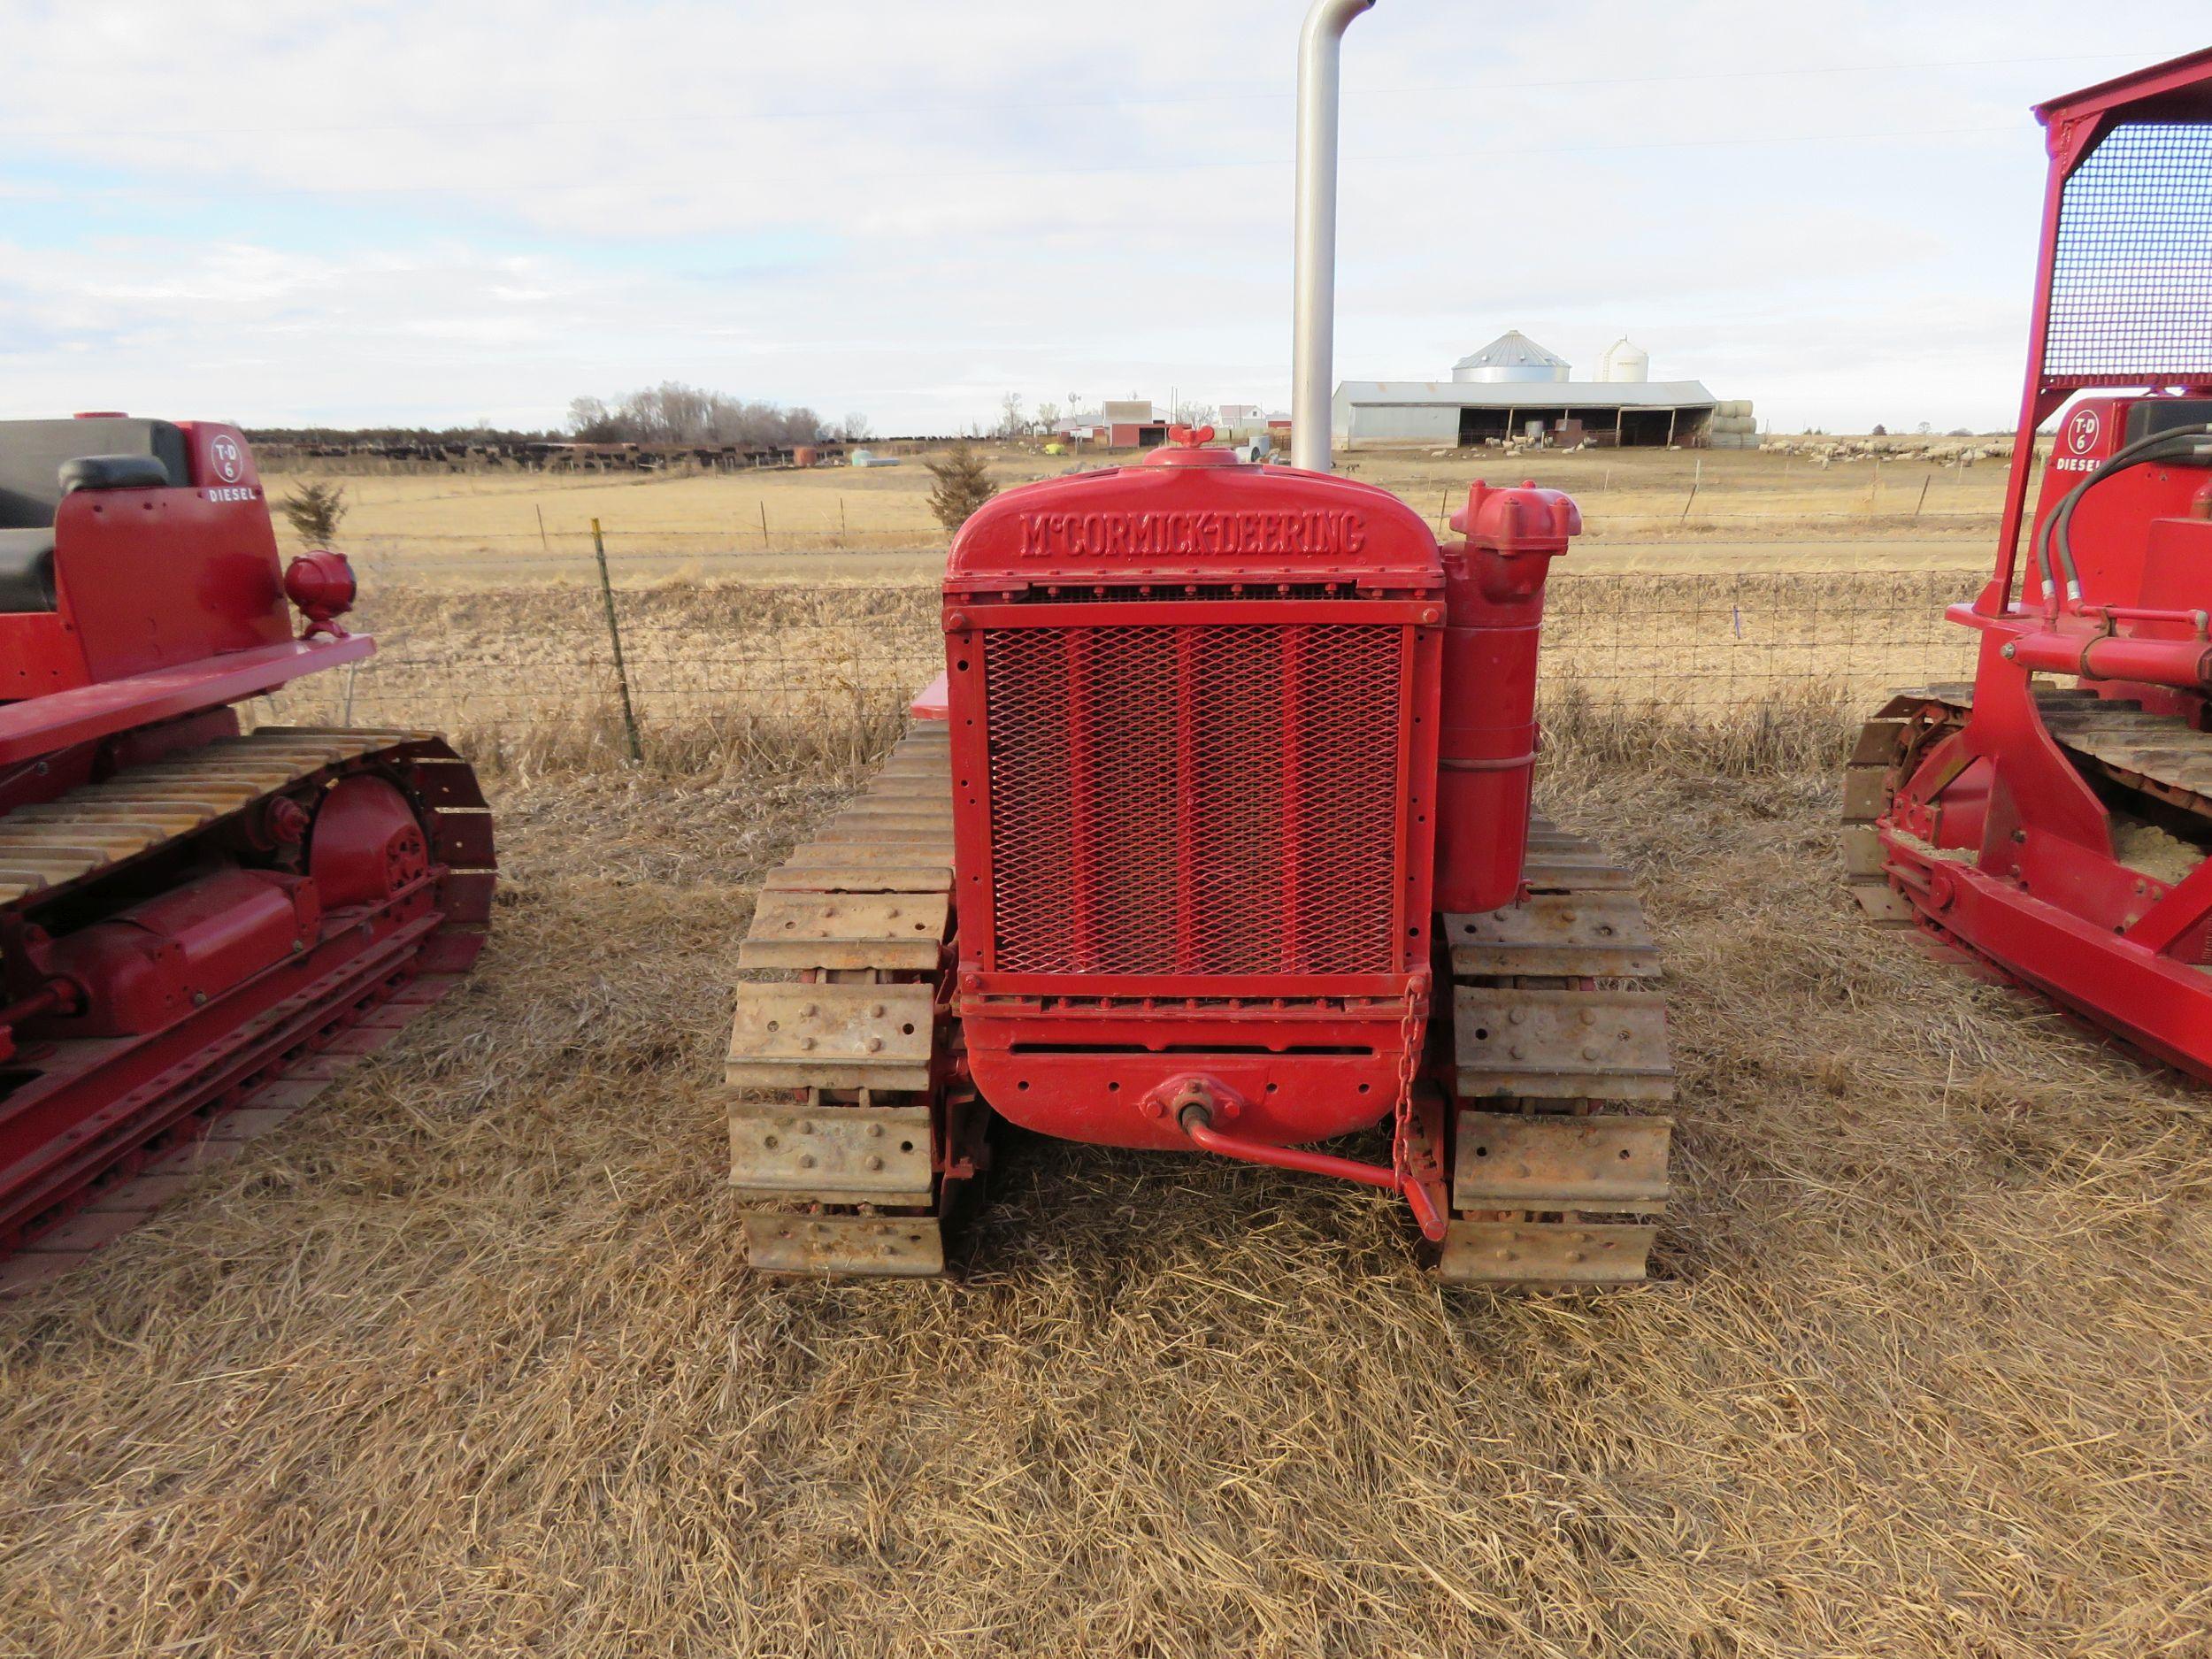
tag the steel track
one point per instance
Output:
(107, 1130)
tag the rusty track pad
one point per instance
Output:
(1536, 1253)
(1569, 935)
(832, 1155)
(851, 930)
(1561, 1045)
(872, 1245)
(1554, 1161)
(831, 1036)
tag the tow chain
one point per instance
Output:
(1412, 1028)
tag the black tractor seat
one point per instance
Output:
(40, 460)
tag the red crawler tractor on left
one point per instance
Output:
(193, 919)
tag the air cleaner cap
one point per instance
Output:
(1524, 520)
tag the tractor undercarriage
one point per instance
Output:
(2150, 772)
(856, 1132)
(212, 936)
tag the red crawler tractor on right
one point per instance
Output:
(2053, 817)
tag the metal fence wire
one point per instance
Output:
(498, 664)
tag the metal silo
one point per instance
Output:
(1625, 360)
(1512, 355)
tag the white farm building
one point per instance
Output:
(1514, 388)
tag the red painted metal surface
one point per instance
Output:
(1495, 609)
(1204, 1136)
(1194, 716)
(933, 701)
(2123, 305)
(154, 579)
(148, 966)
(139, 999)
(366, 845)
(43, 725)
(321, 584)
(2178, 94)
(95, 1099)
(174, 1009)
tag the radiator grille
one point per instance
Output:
(1197, 799)
(2131, 269)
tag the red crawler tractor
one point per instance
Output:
(1219, 840)
(191, 920)
(2053, 817)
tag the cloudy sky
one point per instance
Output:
(290, 213)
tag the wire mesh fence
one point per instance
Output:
(498, 667)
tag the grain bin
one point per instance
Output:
(1625, 361)
(1512, 355)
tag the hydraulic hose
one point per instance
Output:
(2054, 539)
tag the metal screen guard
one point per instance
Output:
(2130, 297)
(2122, 295)
(1195, 799)
(1313, 294)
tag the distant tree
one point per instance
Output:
(1880, 431)
(1047, 416)
(315, 511)
(591, 420)
(1011, 424)
(674, 413)
(854, 428)
(964, 484)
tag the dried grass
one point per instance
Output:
(465, 1360)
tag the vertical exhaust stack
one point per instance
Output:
(1313, 301)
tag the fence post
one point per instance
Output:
(764, 524)
(614, 638)
(1922, 502)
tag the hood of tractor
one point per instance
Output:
(1194, 515)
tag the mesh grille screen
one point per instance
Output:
(1097, 594)
(2132, 272)
(1208, 800)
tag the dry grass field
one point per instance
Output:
(525, 675)
(1750, 511)
(463, 1361)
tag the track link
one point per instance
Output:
(64, 1201)
(850, 1147)
(1552, 1023)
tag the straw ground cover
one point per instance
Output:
(464, 1360)
(520, 673)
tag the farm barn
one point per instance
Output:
(1513, 388)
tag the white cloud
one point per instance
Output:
(427, 213)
